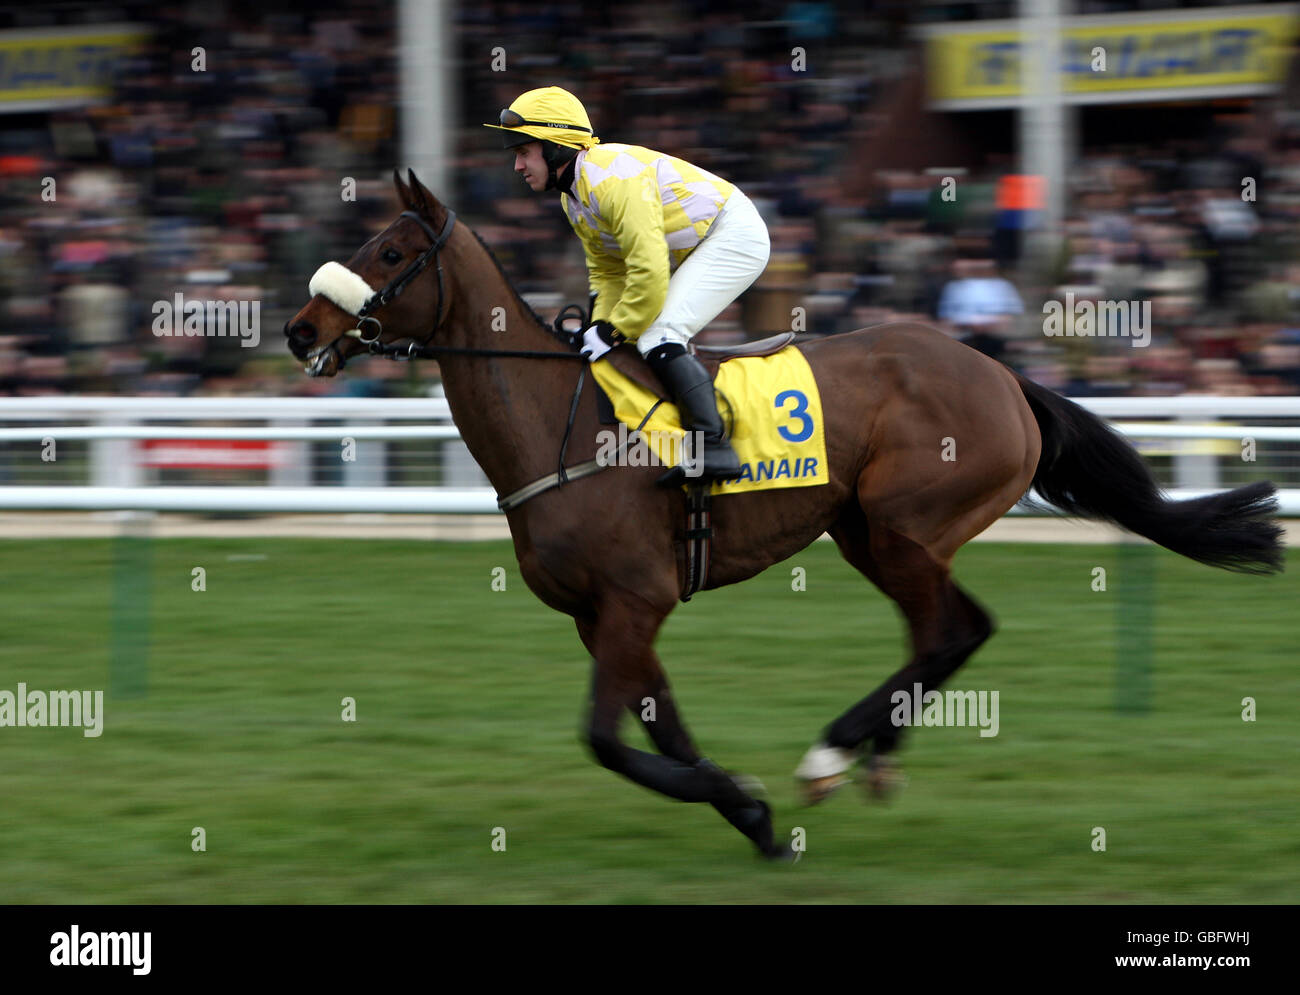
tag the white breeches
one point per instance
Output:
(732, 255)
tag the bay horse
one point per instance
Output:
(900, 401)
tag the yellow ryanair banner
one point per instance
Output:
(61, 67)
(1109, 58)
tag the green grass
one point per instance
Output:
(469, 705)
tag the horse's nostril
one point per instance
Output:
(301, 331)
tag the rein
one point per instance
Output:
(418, 350)
(422, 350)
(410, 349)
(699, 530)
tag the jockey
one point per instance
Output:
(668, 246)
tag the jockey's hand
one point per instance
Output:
(598, 340)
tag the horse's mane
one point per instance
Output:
(541, 323)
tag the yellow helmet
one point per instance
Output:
(549, 114)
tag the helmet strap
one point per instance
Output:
(558, 158)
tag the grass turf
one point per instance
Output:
(468, 704)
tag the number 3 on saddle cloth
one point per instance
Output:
(770, 403)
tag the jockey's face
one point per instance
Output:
(531, 166)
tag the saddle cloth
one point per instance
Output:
(770, 403)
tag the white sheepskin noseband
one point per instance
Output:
(342, 286)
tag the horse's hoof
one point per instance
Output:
(822, 772)
(782, 853)
(884, 778)
(816, 790)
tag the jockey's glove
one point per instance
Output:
(598, 340)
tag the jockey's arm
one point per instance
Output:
(636, 218)
(604, 278)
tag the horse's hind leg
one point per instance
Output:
(945, 626)
(626, 672)
(667, 731)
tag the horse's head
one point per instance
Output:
(391, 289)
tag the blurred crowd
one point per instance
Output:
(218, 179)
(1160, 225)
(226, 184)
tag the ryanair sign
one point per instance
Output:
(61, 67)
(1108, 58)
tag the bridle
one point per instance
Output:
(393, 289)
(408, 349)
(698, 529)
(422, 350)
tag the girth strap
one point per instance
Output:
(567, 473)
(699, 531)
(543, 484)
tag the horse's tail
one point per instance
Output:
(1086, 468)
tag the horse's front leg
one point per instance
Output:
(626, 672)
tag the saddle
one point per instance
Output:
(628, 361)
(698, 532)
(759, 347)
(695, 538)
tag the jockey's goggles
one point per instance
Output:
(513, 119)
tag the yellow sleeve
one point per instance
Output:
(604, 271)
(636, 218)
(604, 277)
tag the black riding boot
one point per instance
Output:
(692, 390)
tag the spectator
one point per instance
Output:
(979, 306)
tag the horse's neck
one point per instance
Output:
(511, 412)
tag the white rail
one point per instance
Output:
(111, 423)
(317, 433)
(390, 408)
(236, 408)
(1134, 430)
(335, 500)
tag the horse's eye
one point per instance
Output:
(392, 256)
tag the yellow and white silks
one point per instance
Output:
(668, 245)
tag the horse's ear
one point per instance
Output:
(403, 191)
(424, 201)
